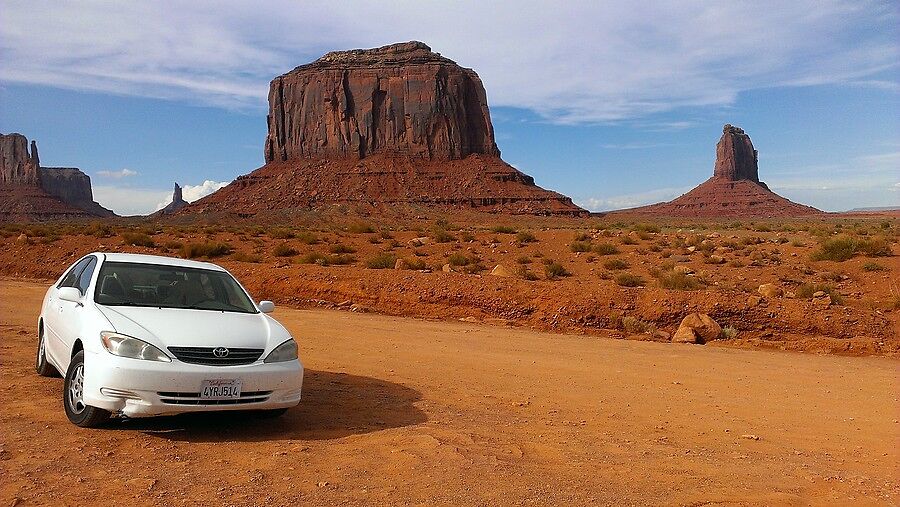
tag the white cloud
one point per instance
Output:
(130, 201)
(631, 200)
(143, 201)
(117, 175)
(578, 62)
(191, 193)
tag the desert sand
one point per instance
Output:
(400, 411)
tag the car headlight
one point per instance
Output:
(287, 351)
(126, 346)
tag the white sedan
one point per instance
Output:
(143, 335)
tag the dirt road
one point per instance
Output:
(406, 412)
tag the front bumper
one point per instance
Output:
(137, 388)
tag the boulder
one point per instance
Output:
(697, 328)
(401, 264)
(770, 291)
(500, 270)
(685, 270)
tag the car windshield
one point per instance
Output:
(155, 285)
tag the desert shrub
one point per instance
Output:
(312, 258)
(414, 263)
(525, 237)
(630, 280)
(210, 249)
(173, 245)
(307, 238)
(341, 249)
(873, 266)
(838, 249)
(525, 273)
(628, 240)
(246, 257)
(466, 236)
(284, 250)
(339, 260)
(503, 229)
(729, 333)
(798, 243)
(137, 239)
(441, 235)
(615, 264)
(374, 240)
(524, 260)
(671, 279)
(99, 229)
(582, 236)
(874, 247)
(458, 259)
(383, 260)
(580, 246)
(554, 270)
(831, 276)
(605, 249)
(646, 228)
(762, 228)
(634, 325)
(806, 291)
(282, 234)
(360, 228)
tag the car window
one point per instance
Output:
(71, 278)
(164, 286)
(84, 279)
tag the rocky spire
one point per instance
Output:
(735, 157)
(177, 203)
(34, 154)
(176, 195)
(17, 166)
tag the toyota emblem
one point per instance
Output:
(220, 352)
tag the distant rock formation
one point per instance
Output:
(392, 125)
(400, 98)
(734, 189)
(17, 166)
(177, 203)
(31, 192)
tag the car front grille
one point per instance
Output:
(175, 398)
(206, 356)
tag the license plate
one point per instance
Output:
(220, 389)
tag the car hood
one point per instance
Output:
(176, 327)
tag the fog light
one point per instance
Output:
(121, 394)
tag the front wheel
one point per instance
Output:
(73, 397)
(41, 365)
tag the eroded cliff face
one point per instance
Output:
(735, 157)
(18, 166)
(401, 98)
(31, 192)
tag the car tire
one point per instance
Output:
(270, 414)
(41, 365)
(78, 413)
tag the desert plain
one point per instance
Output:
(484, 360)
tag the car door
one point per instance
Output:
(59, 312)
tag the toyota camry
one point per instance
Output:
(143, 335)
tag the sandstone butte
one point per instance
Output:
(29, 192)
(396, 125)
(734, 190)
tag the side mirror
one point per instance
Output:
(266, 306)
(69, 294)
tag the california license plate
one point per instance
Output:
(220, 389)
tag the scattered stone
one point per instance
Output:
(446, 268)
(500, 270)
(687, 270)
(750, 436)
(697, 328)
(754, 301)
(400, 264)
(716, 259)
(770, 290)
(22, 239)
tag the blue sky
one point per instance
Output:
(599, 101)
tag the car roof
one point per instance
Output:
(158, 259)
